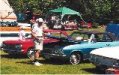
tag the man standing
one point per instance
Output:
(37, 33)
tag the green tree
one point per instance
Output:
(88, 8)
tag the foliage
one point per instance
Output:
(88, 8)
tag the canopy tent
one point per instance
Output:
(6, 12)
(66, 11)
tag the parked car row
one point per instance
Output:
(77, 50)
(23, 46)
(73, 48)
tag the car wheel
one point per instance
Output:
(31, 54)
(75, 59)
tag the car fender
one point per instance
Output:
(68, 53)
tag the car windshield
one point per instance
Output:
(102, 37)
(80, 36)
(99, 37)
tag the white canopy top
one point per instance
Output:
(6, 12)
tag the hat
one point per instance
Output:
(39, 20)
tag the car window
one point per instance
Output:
(12, 34)
(76, 35)
(9, 35)
(86, 37)
(107, 38)
(103, 38)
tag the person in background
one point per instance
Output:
(20, 16)
(22, 33)
(37, 33)
(29, 14)
(33, 20)
(53, 21)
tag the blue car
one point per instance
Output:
(78, 47)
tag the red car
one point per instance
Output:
(24, 46)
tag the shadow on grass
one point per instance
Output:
(43, 61)
(53, 62)
(59, 62)
(15, 56)
(93, 70)
(48, 62)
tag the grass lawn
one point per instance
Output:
(22, 65)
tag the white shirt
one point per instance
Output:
(37, 31)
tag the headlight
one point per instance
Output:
(18, 46)
(58, 51)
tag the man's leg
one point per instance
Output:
(36, 55)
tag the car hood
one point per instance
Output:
(17, 41)
(76, 46)
(46, 41)
(110, 52)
